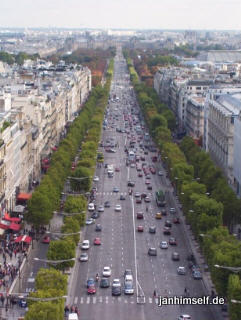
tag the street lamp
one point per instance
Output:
(64, 234)
(233, 269)
(235, 301)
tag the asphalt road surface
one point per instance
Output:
(122, 247)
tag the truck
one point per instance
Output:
(160, 198)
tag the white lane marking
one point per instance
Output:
(81, 300)
(94, 300)
(126, 301)
(156, 300)
(88, 300)
(75, 300)
(100, 299)
(150, 300)
(106, 299)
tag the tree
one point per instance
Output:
(44, 311)
(234, 292)
(61, 250)
(50, 278)
(84, 183)
(39, 209)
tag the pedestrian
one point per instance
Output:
(2, 299)
(154, 294)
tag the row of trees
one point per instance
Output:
(207, 200)
(64, 248)
(17, 58)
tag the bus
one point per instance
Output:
(160, 198)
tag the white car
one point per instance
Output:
(96, 179)
(106, 272)
(164, 245)
(101, 208)
(118, 207)
(85, 245)
(83, 257)
(160, 173)
(89, 221)
(91, 206)
(116, 283)
(184, 317)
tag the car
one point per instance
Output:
(83, 257)
(127, 272)
(145, 152)
(140, 228)
(184, 317)
(164, 212)
(85, 245)
(128, 287)
(91, 206)
(167, 231)
(163, 245)
(148, 177)
(172, 210)
(147, 182)
(139, 215)
(168, 223)
(160, 173)
(97, 242)
(106, 272)
(46, 239)
(197, 275)
(138, 200)
(90, 282)
(195, 267)
(94, 189)
(173, 241)
(91, 289)
(158, 215)
(140, 175)
(116, 189)
(116, 283)
(122, 197)
(176, 220)
(130, 184)
(95, 215)
(107, 204)
(153, 170)
(181, 270)
(116, 291)
(117, 169)
(101, 208)
(149, 187)
(143, 158)
(152, 229)
(96, 179)
(175, 256)
(147, 199)
(118, 207)
(98, 227)
(104, 282)
(133, 165)
(89, 221)
(152, 252)
(137, 194)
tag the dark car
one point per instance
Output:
(152, 252)
(138, 200)
(197, 275)
(175, 256)
(139, 215)
(173, 241)
(98, 227)
(107, 204)
(149, 187)
(104, 282)
(90, 282)
(152, 229)
(167, 231)
(168, 223)
(116, 291)
(122, 197)
(130, 184)
(95, 215)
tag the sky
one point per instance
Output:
(124, 14)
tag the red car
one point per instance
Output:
(46, 239)
(153, 170)
(176, 220)
(138, 200)
(140, 228)
(147, 181)
(173, 241)
(139, 215)
(140, 175)
(91, 289)
(97, 241)
(117, 169)
(167, 231)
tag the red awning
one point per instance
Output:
(24, 196)
(14, 226)
(4, 226)
(24, 238)
(8, 218)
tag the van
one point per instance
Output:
(73, 316)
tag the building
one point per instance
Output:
(194, 117)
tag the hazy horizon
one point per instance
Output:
(122, 14)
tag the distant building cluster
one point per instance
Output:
(206, 99)
(38, 101)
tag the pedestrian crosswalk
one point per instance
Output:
(111, 193)
(110, 299)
